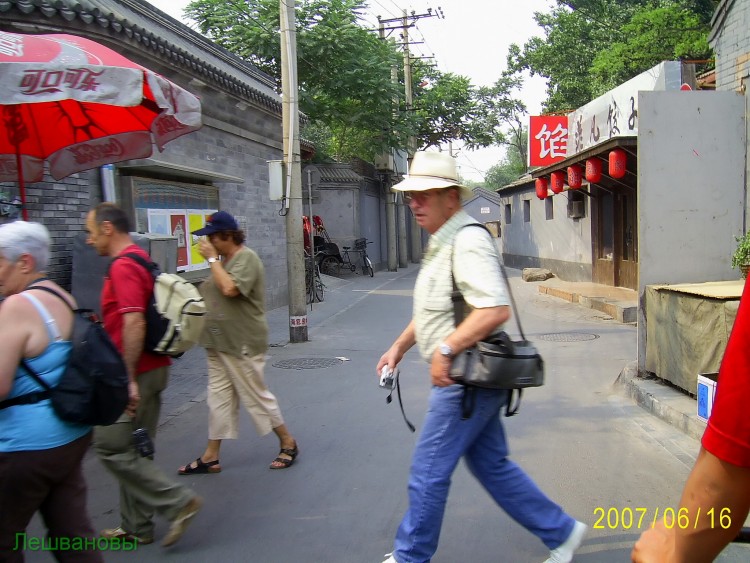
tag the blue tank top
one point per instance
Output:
(36, 426)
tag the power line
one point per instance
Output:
(384, 8)
(240, 6)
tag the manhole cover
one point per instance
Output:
(568, 337)
(307, 363)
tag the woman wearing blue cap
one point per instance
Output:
(236, 341)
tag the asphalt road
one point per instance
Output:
(589, 448)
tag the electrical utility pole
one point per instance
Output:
(391, 196)
(295, 259)
(411, 144)
(407, 21)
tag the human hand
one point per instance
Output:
(656, 545)
(440, 369)
(391, 359)
(134, 397)
(207, 250)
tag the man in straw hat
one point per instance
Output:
(433, 192)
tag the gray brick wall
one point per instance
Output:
(239, 142)
(237, 139)
(61, 207)
(732, 47)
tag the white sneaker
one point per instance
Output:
(564, 553)
(391, 558)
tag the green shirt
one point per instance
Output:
(477, 273)
(237, 325)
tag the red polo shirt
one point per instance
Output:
(728, 433)
(128, 289)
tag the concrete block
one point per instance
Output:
(536, 274)
(560, 293)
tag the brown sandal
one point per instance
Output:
(283, 462)
(200, 467)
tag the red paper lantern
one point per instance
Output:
(541, 188)
(557, 181)
(594, 170)
(575, 176)
(618, 160)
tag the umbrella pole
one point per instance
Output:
(21, 186)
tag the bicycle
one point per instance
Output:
(360, 247)
(313, 283)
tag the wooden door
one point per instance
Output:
(603, 236)
(626, 239)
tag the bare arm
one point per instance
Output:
(133, 336)
(712, 484)
(397, 350)
(14, 334)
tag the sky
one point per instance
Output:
(471, 39)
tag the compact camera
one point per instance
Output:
(388, 378)
(143, 444)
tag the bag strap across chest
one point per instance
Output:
(36, 396)
(459, 303)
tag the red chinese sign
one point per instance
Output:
(548, 139)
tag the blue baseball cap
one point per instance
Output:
(219, 221)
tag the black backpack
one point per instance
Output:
(93, 389)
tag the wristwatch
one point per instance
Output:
(446, 350)
(212, 259)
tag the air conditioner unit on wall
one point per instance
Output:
(576, 209)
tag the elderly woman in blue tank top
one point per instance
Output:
(40, 455)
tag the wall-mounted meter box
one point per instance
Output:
(275, 180)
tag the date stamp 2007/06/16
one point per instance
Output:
(628, 518)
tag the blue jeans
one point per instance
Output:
(481, 439)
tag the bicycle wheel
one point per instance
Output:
(367, 267)
(309, 287)
(330, 266)
(318, 288)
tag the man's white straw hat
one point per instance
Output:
(431, 170)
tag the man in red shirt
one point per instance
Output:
(716, 497)
(144, 489)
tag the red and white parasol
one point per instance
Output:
(78, 105)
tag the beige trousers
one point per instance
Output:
(232, 379)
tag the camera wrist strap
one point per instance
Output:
(389, 398)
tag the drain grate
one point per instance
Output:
(568, 337)
(306, 363)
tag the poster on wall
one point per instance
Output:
(179, 223)
(196, 220)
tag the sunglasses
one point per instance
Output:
(420, 197)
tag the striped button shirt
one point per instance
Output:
(477, 273)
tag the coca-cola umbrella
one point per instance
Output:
(78, 105)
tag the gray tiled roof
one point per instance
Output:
(486, 194)
(338, 173)
(159, 33)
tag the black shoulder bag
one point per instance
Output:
(497, 362)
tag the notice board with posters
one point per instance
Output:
(176, 209)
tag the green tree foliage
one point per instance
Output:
(447, 108)
(504, 114)
(344, 75)
(510, 168)
(652, 35)
(591, 46)
(344, 71)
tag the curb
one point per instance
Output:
(622, 311)
(662, 400)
